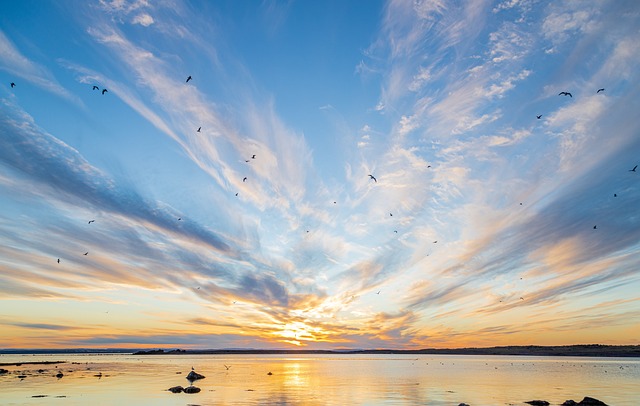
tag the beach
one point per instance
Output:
(315, 379)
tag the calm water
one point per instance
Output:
(320, 380)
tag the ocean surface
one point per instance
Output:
(120, 379)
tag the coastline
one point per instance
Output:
(588, 350)
(584, 350)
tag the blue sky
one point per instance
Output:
(486, 225)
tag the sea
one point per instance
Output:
(333, 379)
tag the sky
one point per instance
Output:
(335, 174)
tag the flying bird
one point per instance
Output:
(236, 194)
(86, 253)
(634, 169)
(539, 117)
(244, 179)
(615, 195)
(435, 242)
(91, 221)
(58, 260)
(595, 227)
(565, 94)
(104, 91)
(378, 292)
(229, 366)
(13, 84)
(188, 79)
(179, 218)
(253, 156)
(373, 177)
(390, 214)
(395, 231)
(600, 90)
(95, 87)
(199, 129)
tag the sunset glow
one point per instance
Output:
(335, 174)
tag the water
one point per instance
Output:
(319, 380)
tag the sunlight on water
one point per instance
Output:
(109, 379)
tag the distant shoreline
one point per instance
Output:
(589, 350)
(593, 350)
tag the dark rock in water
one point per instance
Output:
(176, 389)
(538, 403)
(463, 404)
(587, 401)
(40, 371)
(39, 396)
(3, 371)
(194, 376)
(22, 376)
(191, 389)
(269, 373)
(59, 375)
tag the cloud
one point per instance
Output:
(48, 161)
(12, 61)
(143, 19)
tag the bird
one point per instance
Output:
(236, 194)
(244, 179)
(600, 90)
(390, 214)
(615, 195)
(86, 253)
(104, 91)
(227, 366)
(179, 218)
(335, 202)
(634, 169)
(91, 221)
(95, 87)
(378, 292)
(595, 227)
(188, 79)
(58, 260)
(565, 94)
(247, 160)
(198, 129)
(395, 231)
(13, 84)
(435, 242)
(539, 117)
(374, 178)
(253, 156)
(521, 298)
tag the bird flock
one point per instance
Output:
(103, 91)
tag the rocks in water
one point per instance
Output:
(538, 403)
(269, 373)
(3, 371)
(191, 389)
(194, 376)
(176, 389)
(587, 401)
(59, 375)
(463, 404)
(39, 396)
(22, 376)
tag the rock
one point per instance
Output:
(59, 375)
(3, 371)
(269, 373)
(463, 404)
(176, 389)
(538, 403)
(22, 376)
(191, 389)
(194, 376)
(587, 401)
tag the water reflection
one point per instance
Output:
(321, 380)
